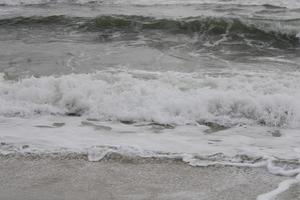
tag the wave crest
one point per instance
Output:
(208, 27)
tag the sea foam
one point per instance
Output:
(164, 97)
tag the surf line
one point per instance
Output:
(269, 164)
(284, 185)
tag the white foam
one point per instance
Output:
(191, 160)
(280, 171)
(239, 146)
(283, 186)
(76, 136)
(31, 107)
(95, 154)
(167, 97)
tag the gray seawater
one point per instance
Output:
(62, 38)
(240, 59)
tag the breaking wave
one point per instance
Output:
(165, 98)
(208, 27)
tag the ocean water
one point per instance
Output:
(206, 81)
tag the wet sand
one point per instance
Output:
(77, 179)
(293, 193)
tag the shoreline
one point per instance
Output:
(55, 179)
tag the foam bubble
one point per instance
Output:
(95, 154)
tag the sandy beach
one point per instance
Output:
(77, 179)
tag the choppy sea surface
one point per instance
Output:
(206, 81)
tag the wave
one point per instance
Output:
(164, 98)
(269, 32)
(274, 3)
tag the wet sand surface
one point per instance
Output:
(293, 193)
(77, 179)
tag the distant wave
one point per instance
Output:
(233, 29)
(273, 3)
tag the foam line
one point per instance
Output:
(284, 185)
